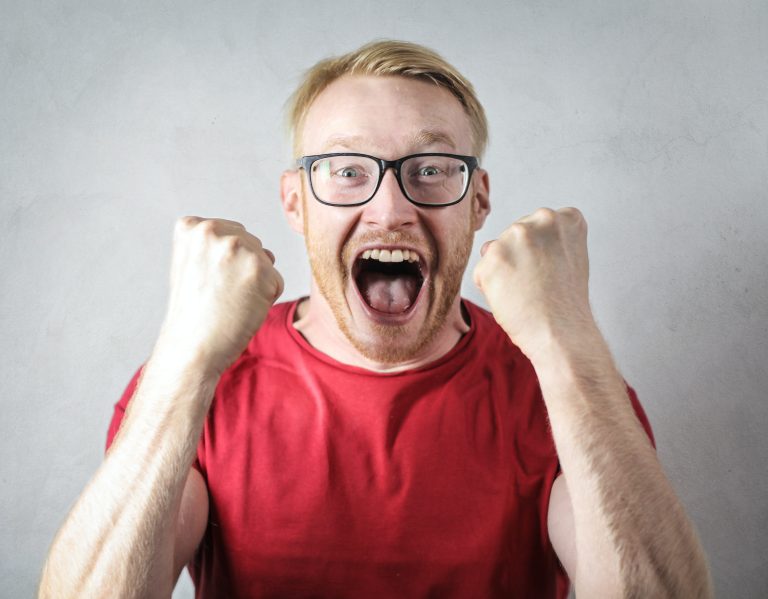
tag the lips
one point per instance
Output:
(389, 279)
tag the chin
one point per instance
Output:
(386, 339)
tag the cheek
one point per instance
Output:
(453, 234)
(328, 228)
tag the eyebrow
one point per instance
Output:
(429, 137)
(425, 137)
(350, 142)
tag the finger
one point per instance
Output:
(250, 241)
(571, 212)
(280, 286)
(575, 218)
(269, 254)
(485, 246)
(476, 278)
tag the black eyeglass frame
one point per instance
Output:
(306, 162)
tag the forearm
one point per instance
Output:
(119, 535)
(633, 537)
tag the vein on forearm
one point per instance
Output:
(113, 536)
(621, 497)
(154, 486)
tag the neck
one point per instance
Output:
(317, 324)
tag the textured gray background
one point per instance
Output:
(117, 117)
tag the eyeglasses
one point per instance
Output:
(429, 180)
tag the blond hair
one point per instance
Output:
(388, 58)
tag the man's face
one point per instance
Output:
(389, 311)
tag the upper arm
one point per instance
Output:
(560, 523)
(192, 521)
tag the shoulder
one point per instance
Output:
(498, 360)
(279, 314)
(275, 329)
(488, 333)
(483, 319)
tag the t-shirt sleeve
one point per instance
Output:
(121, 406)
(119, 412)
(640, 413)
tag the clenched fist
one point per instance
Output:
(535, 278)
(223, 282)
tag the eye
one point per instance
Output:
(347, 171)
(428, 171)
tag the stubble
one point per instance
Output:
(384, 344)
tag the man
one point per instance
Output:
(381, 437)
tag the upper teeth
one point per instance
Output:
(391, 255)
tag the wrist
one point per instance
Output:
(579, 354)
(554, 341)
(180, 374)
(181, 357)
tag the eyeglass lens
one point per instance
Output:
(352, 179)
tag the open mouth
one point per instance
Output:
(389, 280)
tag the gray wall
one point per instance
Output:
(116, 117)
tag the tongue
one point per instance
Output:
(388, 293)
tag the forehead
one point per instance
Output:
(386, 116)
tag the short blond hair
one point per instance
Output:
(388, 58)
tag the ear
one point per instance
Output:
(290, 194)
(481, 203)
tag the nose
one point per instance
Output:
(389, 209)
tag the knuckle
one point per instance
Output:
(252, 265)
(280, 285)
(573, 213)
(496, 252)
(206, 227)
(189, 221)
(269, 255)
(545, 215)
(575, 219)
(185, 224)
(517, 231)
(493, 250)
(231, 244)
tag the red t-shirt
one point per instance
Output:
(329, 480)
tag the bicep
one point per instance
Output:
(560, 522)
(192, 521)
